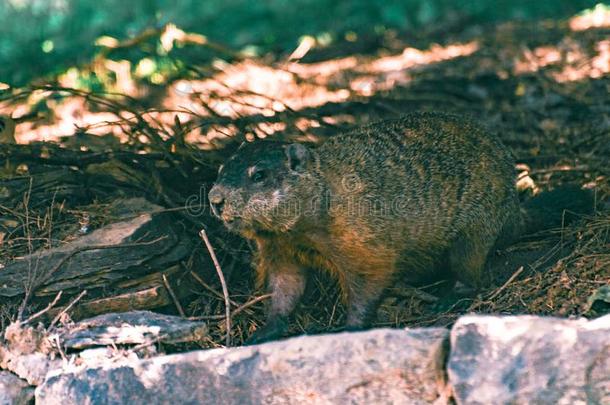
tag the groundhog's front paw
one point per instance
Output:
(274, 329)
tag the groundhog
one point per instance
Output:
(423, 197)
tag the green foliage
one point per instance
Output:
(39, 37)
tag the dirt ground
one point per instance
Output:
(543, 87)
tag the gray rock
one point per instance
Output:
(32, 367)
(374, 367)
(13, 390)
(130, 328)
(530, 360)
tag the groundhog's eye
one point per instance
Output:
(258, 176)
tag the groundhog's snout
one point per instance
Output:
(217, 201)
(222, 203)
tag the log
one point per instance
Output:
(124, 259)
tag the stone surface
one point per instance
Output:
(374, 367)
(130, 328)
(530, 360)
(32, 367)
(13, 390)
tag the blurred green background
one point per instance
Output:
(42, 37)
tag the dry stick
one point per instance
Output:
(58, 346)
(210, 289)
(28, 288)
(45, 310)
(250, 303)
(173, 295)
(510, 280)
(225, 291)
(149, 343)
(29, 239)
(66, 309)
(237, 310)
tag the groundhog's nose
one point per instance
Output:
(217, 201)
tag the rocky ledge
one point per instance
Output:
(481, 360)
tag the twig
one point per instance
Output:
(510, 280)
(59, 349)
(225, 291)
(173, 295)
(29, 287)
(422, 295)
(45, 310)
(66, 309)
(210, 289)
(235, 312)
(581, 168)
(149, 343)
(250, 303)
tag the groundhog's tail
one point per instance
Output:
(555, 208)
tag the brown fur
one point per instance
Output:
(423, 197)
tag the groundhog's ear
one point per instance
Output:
(298, 156)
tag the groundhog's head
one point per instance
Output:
(265, 186)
